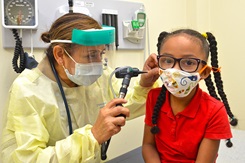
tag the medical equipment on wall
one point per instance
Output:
(64, 9)
(126, 73)
(44, 12)
(16, 16)
(25, 61)
(134, 30)
(110, 18)
(19, 14)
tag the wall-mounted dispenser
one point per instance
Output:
(134, 30)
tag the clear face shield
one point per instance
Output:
(89, 51)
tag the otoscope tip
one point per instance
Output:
(142, 72)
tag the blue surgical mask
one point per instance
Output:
(85, 74)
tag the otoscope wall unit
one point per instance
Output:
(127, 17)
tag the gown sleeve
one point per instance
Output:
(34, 132)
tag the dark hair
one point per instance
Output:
(212, 47)
(62, 28)
(191, 34)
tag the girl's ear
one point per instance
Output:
(205, 73)
(58, 52)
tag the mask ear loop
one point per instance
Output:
(201, 71)
(214, 69)
(160, 71)
(69, 56)
(64, 67)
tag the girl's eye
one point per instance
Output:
(189, 62)
(168, 60)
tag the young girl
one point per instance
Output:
(183, 123)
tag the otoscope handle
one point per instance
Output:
(123, 90)
(126, 74)
(119, 105)
(103, 155)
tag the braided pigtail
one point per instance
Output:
(217, 77)
(218, 82)
(208, 81)
(161, 37)
(160, 100)
(162, 96)
(214, 63)
(211, 89)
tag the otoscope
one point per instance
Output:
(125, 73)
(70, 3)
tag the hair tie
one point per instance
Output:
(233, 121)
(205, 35)
(155, 129)
(215, 69)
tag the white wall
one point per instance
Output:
(228, 24)
(224, 18)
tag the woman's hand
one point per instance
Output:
(150, 66)
(108, 122)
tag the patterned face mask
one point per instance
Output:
(179, 83)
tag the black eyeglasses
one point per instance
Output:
(185, 64)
